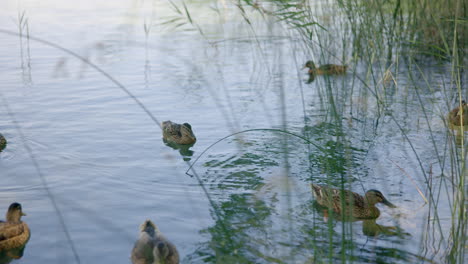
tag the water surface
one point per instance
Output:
(104, 164)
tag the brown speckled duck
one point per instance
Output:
(152, 247)
(459, 115)
(14, 233)
(355, 205)
(3, 142)
(327, 69)
(180, 134)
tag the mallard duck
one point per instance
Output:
(459, 115)
(324, 69)
(180, 134)
(152, 247)
(357, 206)
(14, 233)
(3, 142)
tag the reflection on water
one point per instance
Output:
(7, 256)
(184, 150)
(459, 133)
(241, 235)
(371, 228)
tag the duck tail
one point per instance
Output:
(161, 250)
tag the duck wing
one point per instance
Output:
(8, 230)
(333, 68)
(14, 235)
(332, 197)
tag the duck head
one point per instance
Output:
(310, 64)
(14, 213)
(374, 196)
(148, 227)
(180, 134)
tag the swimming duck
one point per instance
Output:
(361, 207)
(180, 134)
(14, 233)
(152, 247)
(325, 69)
(3, 142)
(455, 114)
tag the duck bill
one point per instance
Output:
(389, 204)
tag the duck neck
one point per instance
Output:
(370, 204)
(13, 217)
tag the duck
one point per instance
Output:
(454, 115)
(14, 233)
(177, 133)
(152, 247)
(3, 142)
(356, 205)
(327, 69)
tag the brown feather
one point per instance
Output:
(19, 239)
(455, 115)
(346, 202)
(179, 134)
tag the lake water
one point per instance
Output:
(102, 167)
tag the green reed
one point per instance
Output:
(390, 34)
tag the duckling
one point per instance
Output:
(180, 134)
(355, 205)
(152, 247)
(14, 233)
(3, 142)
(328, 69)
(456, 113)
